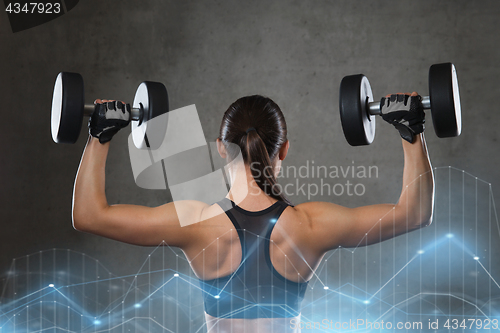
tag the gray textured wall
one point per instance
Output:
(211, 53)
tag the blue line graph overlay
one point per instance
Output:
(445, 273)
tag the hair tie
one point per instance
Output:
(251, 129)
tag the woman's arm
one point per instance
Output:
(331, 226)
(132, 224)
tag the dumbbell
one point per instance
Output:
(69, 108)
(358, 110)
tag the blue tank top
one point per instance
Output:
(255, 289)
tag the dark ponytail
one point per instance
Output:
(257, 126)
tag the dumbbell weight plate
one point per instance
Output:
(445, 100)
(67, 107)
(150, 130)
(357, 123)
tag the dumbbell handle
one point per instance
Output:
(135, 113)
(374, 107)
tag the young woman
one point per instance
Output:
(254, 258)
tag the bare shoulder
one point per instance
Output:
(192, 212)
(320, 228)
(316, 211)
(307, 217)
(294, 217)
(210, 213)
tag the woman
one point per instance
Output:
(254, 258)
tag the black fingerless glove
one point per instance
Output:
(406, 113)
(107, 119)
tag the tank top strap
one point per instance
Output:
(281, 207)
(227, 206)
(273, 211)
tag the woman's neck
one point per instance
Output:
(245, 191)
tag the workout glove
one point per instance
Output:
(406, 113)
(107, 119)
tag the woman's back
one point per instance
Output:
(217, 251)
(257, 279)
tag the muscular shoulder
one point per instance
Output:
(314, 212)
(191, 212)
(306, 226)
(297, 221)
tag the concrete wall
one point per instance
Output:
(210, 54)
